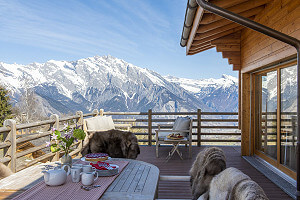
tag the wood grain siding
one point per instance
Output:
(245, 114)
(258, 50)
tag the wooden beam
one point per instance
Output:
(192, 35)
(204, 45)
(221, 48)
(236, 67)
(245, 118)
(221, 29)
(218, 30)
(228, 54)
(226, 4)
(219, 35)
(227, 42)
(207, 27)
(198, 51)
(234, 61)
(210, 18)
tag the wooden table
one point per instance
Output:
(138, 180)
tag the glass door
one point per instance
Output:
(276, 117)
(267, 113)
(288, 126)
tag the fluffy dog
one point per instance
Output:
(116, 143)
(209, 162)
(4, 171)
(232, 184)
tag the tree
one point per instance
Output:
(5, 106)
(29, 106)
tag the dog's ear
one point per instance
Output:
(86, 145)
(138, 149)
(124, 149)
(85, 149)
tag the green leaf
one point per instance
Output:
(63, 139)
(57, 133)
(54, 148)
(79, 134)
(69, 142)
(63, 147)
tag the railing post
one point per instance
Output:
(80, 119)
(13, 143)
(101, 113)
(80, 123)
(95, 112)
(199, 127)
(150, 127)
(56, 126)
(294, 129)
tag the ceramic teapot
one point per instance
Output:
(56, 176)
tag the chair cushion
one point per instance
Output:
(100, 123)
(182, 123)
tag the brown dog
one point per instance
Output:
(116, 143)
(4, 171)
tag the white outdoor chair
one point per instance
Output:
(100, 123)
(183, 126)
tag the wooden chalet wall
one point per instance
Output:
(258, 50)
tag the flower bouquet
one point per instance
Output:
(65, 138)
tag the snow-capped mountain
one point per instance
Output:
(218, 94)
(113, 84)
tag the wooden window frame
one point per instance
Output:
(274, 162)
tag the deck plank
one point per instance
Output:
(177, 167)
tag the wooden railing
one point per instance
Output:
(202, 127)
(208, 128)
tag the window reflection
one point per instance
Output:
(267, 129)
(288, 125)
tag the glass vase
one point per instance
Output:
(66, 159)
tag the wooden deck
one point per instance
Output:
(175, 166)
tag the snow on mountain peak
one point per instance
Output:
(107, 82)
(196, 86)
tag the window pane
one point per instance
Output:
(267, 112)
(288, 133)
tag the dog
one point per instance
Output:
(116, 143)
(209, 162)
(232, 184)
(4, 171)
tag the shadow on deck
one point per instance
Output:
(176, 166)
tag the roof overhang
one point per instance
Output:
(203, 30)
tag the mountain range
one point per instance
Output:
(114, 85)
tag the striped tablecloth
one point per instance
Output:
(70, 190)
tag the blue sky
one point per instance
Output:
(145, 33)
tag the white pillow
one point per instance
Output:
(100, 123)
(182, 123)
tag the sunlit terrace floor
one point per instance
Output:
(176, 166)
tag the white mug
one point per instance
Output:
(88, 168)
(79, 166)
(75, 173)
(87, 178)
